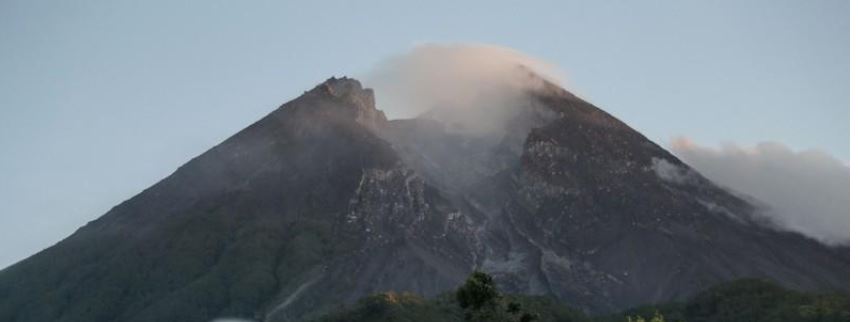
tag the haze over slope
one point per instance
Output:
(802, 191)
(806, 193)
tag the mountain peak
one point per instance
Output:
(349, 96)
(342, 86)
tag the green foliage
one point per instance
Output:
(479, 291)
(745, 300)
(476, 300)
(756, 300)
(393, 307)
(547, 309)
(479, 300)
(656, 317)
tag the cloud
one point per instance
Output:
(669, 172)
(475, 84)
(806, 191)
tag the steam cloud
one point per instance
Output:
(808, 191)
(478, 86)
(473, 82)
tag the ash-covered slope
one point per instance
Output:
(571, 202)
(304, 209)
(325, 200)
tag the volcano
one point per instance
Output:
(325, 200)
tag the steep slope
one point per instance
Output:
(613, 205)
(304, 208)
(571, 202)
(324, 201)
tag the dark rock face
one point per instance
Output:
(325, 201)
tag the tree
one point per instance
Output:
(513, 307)
(528, 317)
(656, 317)
(482, 302)
(479, 291)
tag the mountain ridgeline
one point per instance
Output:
(325, 201)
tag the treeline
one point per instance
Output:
(479, 300)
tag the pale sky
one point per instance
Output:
(101, 99)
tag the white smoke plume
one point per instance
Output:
(808, 191)
(474, 82)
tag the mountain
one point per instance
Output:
(325, 201)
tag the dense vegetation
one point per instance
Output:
(752, 300)
(479, 300)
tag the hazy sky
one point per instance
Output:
(100, 99)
